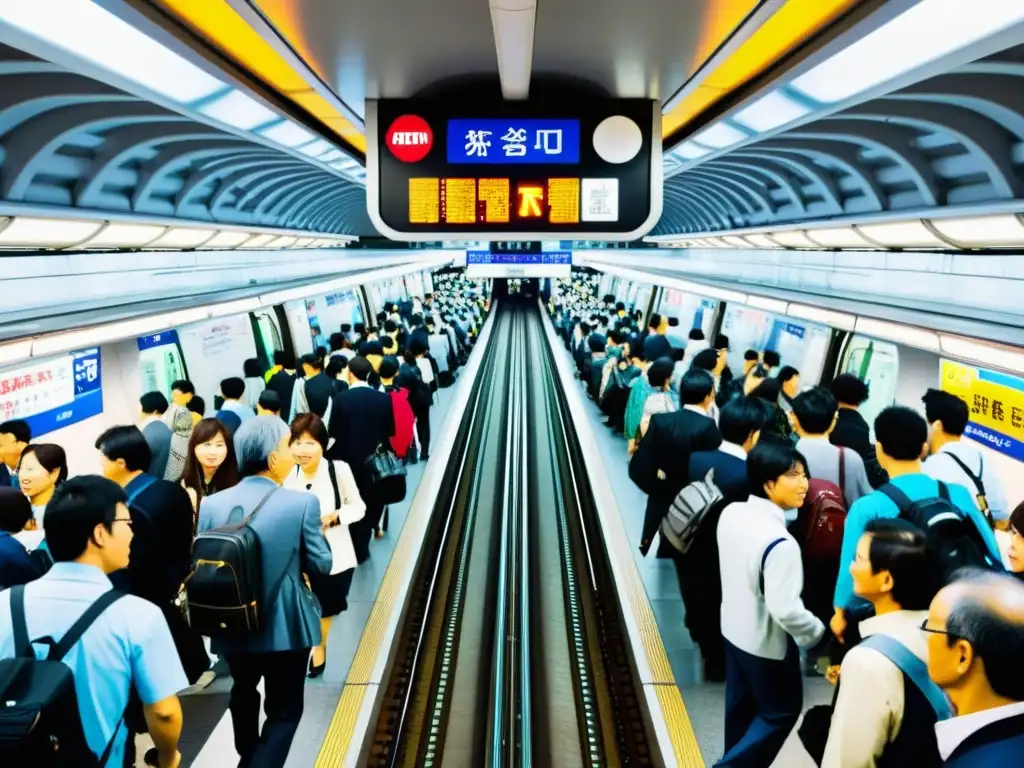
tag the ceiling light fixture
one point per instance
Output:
(514, 23)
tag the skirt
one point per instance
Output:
(332, 591)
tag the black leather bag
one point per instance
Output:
(385, 474)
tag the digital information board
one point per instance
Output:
(484, 264)
(592, 171)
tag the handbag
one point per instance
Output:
(385, 474)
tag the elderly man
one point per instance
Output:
(288, 526)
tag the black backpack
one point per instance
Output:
(952, 536)
(39, 721)
(225, 587)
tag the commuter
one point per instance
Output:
(700, 581)
(182, 391)
(814, 416)
(291, 543)
(902, 435)
(771, 360)
(851, 430)
(712, 361)
(882, 714)
(581, 346)
(197, 407)
(660, 400)
(757, 376)
(335, 371)
(593, 367)
(314, 391)
(725, 376)
(182, 423)
(391, 334)
(619, 389)
(269, 403)
(655, 343)
(421, 400)
(441, 351)
(660, 466)
(955, 460)
(16, 566)
(233, 390)
(418, 332)
(373, 352)
(43, 467)
(153, 406)
(679, 367)
(211, 465)
(283, 382)
(614, 352)
(254, 383)
(770, 391)
(279, 356)
(15, 435)
(763, 617)
(334, 486)
(364, 420)
(975, 634)
(1015, 551)
(751, 359)
(124, 644)
(696, 343)
(405, 421)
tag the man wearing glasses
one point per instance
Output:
(975, 630)
(89, 533)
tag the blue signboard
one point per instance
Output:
(157, 340)
(53, 394)
(563, 258)
(514, 141)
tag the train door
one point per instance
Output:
(268, 336)
(877, 364)
(161, 362)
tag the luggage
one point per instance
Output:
(39, 722)
(689, 508)
(824, 516)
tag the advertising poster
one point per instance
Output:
(53, 394)
(996, 403)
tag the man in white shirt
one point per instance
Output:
(954, 460)
(763, 616)
(883, 713)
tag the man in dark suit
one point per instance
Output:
(700, 581)
(158, 434)
(361, 420)
(14, 437)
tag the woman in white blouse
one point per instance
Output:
(340, 506)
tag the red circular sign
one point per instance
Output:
(409, 138)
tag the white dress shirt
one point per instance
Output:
(953, 732)
(869, 709)
(755, 623)
(352, 507)
(944, 468)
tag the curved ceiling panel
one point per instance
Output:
(954, 139)
(69, 141)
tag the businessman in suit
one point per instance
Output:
(362, 419)
(14, 438)
(292, 543)
(157, 433)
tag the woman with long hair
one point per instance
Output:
(42, 468)
(210, 464)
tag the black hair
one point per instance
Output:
(721, 341)
(770, 460)
(409, 356)
(184, 386)
(382, 316)
(15, 509)
(696, 334)
(1017, 518)
(750, 355)
(346, 327)
(654, 321)
(596, 342)
(418, 347)
(77, 507)
(771, 358)
(768, 390)
(337, 341)
(389, 367)
(335, 365)
(673, 322)
(659, 372)
(948, 409)
(695, 387)
(815, 410)
(416, 320)
(18, 428)
(677, 354)
(996, 639)
(902, 432)
(705, 360)
(313, 361)
(50, 456)
(311, 424)
(740, 418)
(252, 368)
(585, 329)
(371, 348)
(848, 389)
(390, 326)
(900, 547)
(270, 400)
(196, 405)
(154, 402)
(360, 367)
(619, 306)
(284, 359)
(616, 336)
(128, 443)
(786, 373)
(359, 328)
(232, 388)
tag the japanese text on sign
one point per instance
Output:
(525, 141)
(995, 401)
(546, 257)
(53, 394)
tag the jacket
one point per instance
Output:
(291, 543)
(852, 431)
(998, 743)
(405, 421)
(283, 383)
(352, 508)
(16, 567)
(361, 420)
(670, 439)
(158, 438)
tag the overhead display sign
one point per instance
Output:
(995, 401)
(439, 169)
(53, 394)
(484, 264)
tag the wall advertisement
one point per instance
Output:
(996, 403)
(53, 394)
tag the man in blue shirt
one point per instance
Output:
(901, 436)
(88, 530)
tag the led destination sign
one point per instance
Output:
(525, 141)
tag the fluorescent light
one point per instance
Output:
(28, 232)
(303, 242)
(98, 36)
(514, 24)
(237, 307)
(924, 33)
(181, 237)
(772, 110)
(1006, 358)
(762, 241)
(284, 241)
(904, 334)
(720, 135)
(793, 239)
(239, 110)
(689, 150)
(982, 231)
(259, 241)
(716, 242)
(228, 239)
(316, 148)
(771, 305)
(287, 134)
(828, 317)
(902, 234)
(124, 236)
(736, 242)
(14, 351)
(839, 237)
(65, 341)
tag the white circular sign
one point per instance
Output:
(617, 139)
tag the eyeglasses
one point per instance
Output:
(933, 631)
(126, 520)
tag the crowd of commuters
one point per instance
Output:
(806, 543)
(107, 560)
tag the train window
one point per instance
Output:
(161, 362)
(877, 363)
(268, 337)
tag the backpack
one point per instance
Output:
(688, 509)
(824, 516)
(979, 486)
(225, 587)
(39, 723)
(952, 536)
